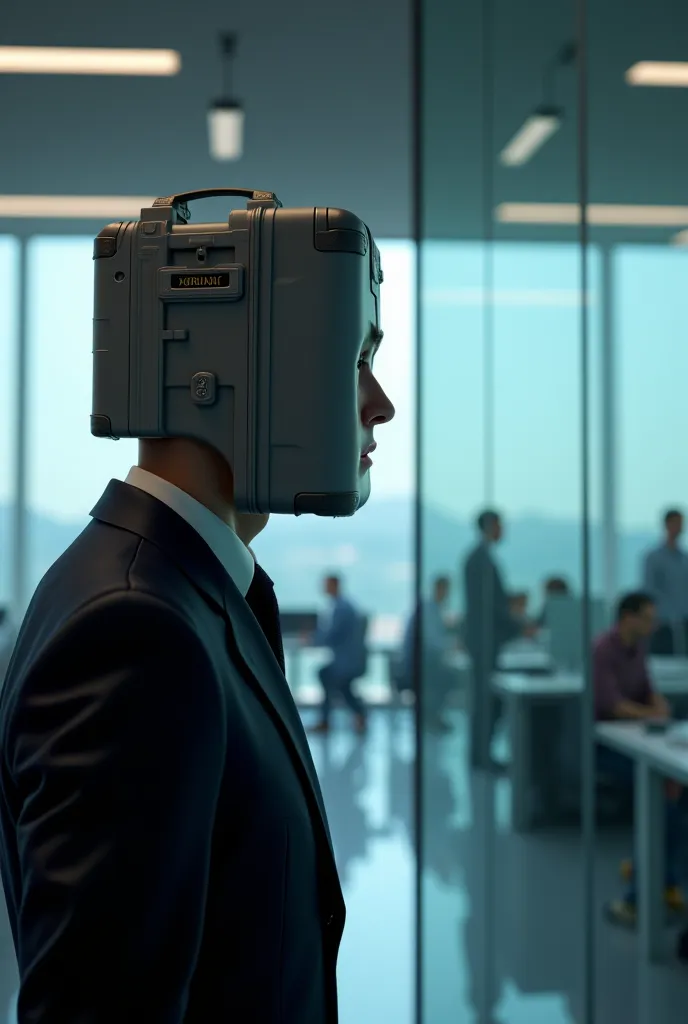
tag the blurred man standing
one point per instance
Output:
(489, 625)
(343, 631)
(666, 581)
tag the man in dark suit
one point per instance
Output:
(165, 851)
(489, 625)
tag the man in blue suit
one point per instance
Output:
(343, 631)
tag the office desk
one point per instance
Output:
(519, 658)
(656, 756)
(670, 676)
(523, 694)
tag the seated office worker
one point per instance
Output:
(665, 579)
(624, 692)
(165, 852)
(343, 631)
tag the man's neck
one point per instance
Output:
(244, 525)
(672, 543)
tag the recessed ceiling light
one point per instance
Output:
(73, 207)
(78, 60)
(598, 214)
(660, 73)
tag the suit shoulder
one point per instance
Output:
(105, 559)
(105, 574)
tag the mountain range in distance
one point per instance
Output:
(373, 552)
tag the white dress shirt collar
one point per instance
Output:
(232, 553)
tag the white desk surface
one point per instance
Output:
(670, 676)
(559, 684)
(666, 752)
(519, 658)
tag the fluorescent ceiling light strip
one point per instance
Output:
(532, 135)
(659, 73)
(73, 207)
(598, 214)
(76, 60)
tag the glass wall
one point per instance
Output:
(645, 276)
(552, 820)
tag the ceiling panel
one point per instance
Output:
(326, 88)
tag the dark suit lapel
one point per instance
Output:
(247, 642)
(132, 509)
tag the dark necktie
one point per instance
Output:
(262, 601)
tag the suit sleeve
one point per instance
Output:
(116, 752)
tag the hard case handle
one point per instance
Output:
(255, 197)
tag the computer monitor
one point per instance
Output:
(564, 618)
(298, 623)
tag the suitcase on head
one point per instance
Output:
(244, 334)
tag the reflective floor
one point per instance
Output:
(534, 902)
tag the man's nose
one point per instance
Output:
(378, 409)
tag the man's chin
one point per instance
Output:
(364, 488)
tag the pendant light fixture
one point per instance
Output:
(544, 121)
(226, 116)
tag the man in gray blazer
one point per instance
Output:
(489, 624)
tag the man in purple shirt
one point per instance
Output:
(623, 688)
(624, 691)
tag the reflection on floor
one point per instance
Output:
(528, 889)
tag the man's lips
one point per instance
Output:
(369, 450)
